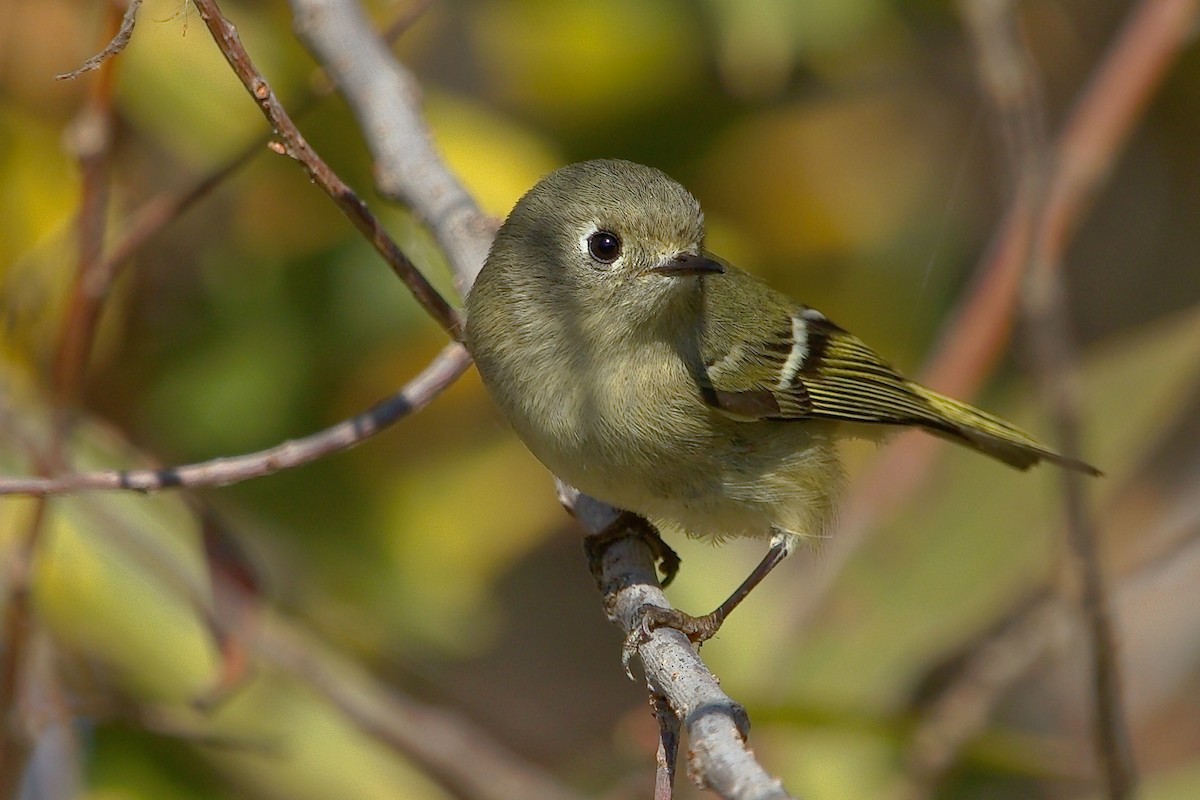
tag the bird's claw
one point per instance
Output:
(630, 524)
(650, 617)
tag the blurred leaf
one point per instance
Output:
(819, 179)
(1178, 783)
(455, 526)
(1135, 388)
(40, 189)
(295, 745)
(469, 137)
(581, 62)
(956, 556)
(38, 196)
(761, 42)
(829, 764)
(118, 576)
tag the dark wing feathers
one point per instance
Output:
(840, 378)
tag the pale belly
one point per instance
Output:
(723, 479)
(608, 430)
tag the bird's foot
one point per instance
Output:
(630, 524)
(697, 629)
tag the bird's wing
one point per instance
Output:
(810, 369)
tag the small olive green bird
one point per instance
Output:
(651, 375)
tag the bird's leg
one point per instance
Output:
(699, 629)
(630, 524)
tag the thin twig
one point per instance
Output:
(418, 393)
(115, 45)
(964, 699)
(91, 139)
(1011, 79)
(293, 144)
(973, 338)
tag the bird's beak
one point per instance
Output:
(689, 264)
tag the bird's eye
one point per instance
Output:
(605, 247)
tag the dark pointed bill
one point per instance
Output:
(689, 264)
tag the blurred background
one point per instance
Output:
(843, 149)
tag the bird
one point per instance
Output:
(649, 373)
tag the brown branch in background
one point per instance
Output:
(450, 748)
(1095, 131)
(114, 46)
(295, 146)
(1010, 77)
(18, 631)
(161, 210)
(958, 707)
(418, 393)
(90, 137)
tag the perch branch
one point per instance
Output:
(717, 726)
(385, 99)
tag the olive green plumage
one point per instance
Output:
(649, 374)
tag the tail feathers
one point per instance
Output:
(991, 435)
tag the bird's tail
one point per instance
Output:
(991, 435)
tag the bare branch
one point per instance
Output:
(386, 100)
(449, 747)
(295, 146)
(973, 339)
(965, 699)
(717, 726)
(418, 393)
(115, 46)
(1011, 78)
